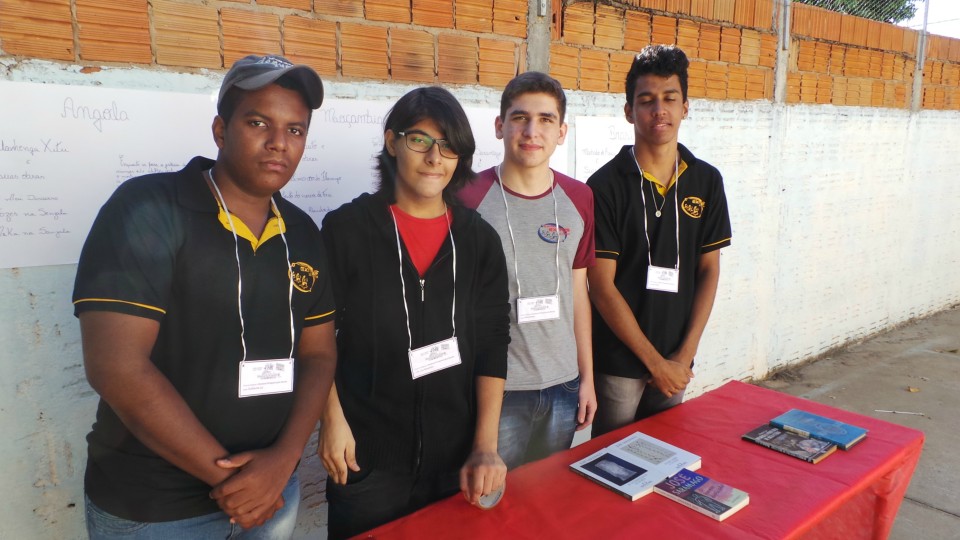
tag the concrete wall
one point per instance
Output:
(844, 221)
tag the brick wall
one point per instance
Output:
(833, 58)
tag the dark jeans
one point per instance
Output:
(622, 401)
(374, 497)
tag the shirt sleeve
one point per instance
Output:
(607, 241)
(717, 228)
(127, 261)
(492, 306)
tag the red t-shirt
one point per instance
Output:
(422, 236)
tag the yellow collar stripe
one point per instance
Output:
(274, 227)
(660, 188)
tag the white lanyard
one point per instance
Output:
(403, 283)
(236, 246)
(676, 213)
(516, 255)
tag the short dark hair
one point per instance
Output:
(533, 82)
(228, 104)
(659, 60)
(437, 104)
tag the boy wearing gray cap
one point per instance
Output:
(206, 319)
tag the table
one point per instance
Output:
(849, 495)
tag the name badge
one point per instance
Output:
(434, 357)
(538, 308)
(663, 279)
(264, 377)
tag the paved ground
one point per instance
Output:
(916, 369)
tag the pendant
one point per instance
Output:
(658, 213)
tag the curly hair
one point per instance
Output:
(659, 60)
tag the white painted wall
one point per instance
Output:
(845, 223)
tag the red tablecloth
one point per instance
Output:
(849, 495)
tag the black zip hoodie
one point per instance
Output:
(400, 424)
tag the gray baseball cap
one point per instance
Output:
(254, 72)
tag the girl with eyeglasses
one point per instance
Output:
(422, 328)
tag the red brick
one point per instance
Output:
(114, 31)
(248, 32)
(457, 59)
(302, 5)
(578, 22)
(619, 67)
(186, 34)
(498, 62)
(750, 47)
(437, 13)
(510, 18)
(688, 37)
(594, 70)
(744, 12)
(702, 8)
(312, 42)
(37, 28)
(565, 65)
(397, 11)
(473, 15)
(723, 10)
(664, 30)
(710, 35)
(363, 51)
(608, 32)
(763, 16)
(411, 55)
(730, 44)
(697, 79)
(636, 35)
(340, 8)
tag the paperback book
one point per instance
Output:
(792, 444)
(820, 427)
(705, 495)
(632, 466)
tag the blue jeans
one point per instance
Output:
(622, 401)
(537, 423)
(104, 526)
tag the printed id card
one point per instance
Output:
(434, 357)
(264, 377)
(538, 308)
(663, 279)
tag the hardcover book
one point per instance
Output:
(792, 444)
(703, 494)
(632, 466)
(820, 427)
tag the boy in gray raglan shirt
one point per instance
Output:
(545, 220)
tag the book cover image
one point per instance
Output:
(703, 494)
(792, 444)
(820, 427)
(633, 465)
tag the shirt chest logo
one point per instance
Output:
(693, 206)
(303, 276)
(551, 233)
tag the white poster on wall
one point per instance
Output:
(599, 139)
(64, 149)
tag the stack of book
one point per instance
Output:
(640, 464)
(805, 435)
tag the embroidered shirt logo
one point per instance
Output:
(549, 232)
(303, 276)
(693, 206)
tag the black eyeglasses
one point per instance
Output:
(422, 143)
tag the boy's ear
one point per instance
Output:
(498, 127)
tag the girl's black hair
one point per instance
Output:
(437, 104)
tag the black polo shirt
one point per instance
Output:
(704, 226)
(159, 250)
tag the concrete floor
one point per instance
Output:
(914, 368)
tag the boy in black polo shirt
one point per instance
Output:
(661, 219)
(205, 312)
